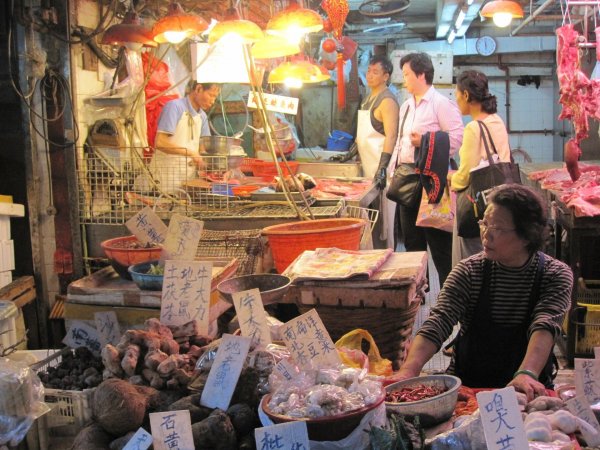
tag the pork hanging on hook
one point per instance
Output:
(337, 11)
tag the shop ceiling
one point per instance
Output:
(388, 21)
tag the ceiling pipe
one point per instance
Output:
(532, 16)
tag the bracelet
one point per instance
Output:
(525, 372)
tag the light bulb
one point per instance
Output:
(502, 19)
(293, 83)
(175, 37)
(293, 34)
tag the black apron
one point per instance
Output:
(489, 353)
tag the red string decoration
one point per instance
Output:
(337, 11)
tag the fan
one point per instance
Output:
(383, 8)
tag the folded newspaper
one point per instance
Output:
(336, 264)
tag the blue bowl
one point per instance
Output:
(144, 280)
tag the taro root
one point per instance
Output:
(215, 432)
(120, 407)
(92, 437)
(120, 443)
(192, 404)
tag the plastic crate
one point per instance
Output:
(267, 169)
(71, 410)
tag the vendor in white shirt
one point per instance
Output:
(181, 124)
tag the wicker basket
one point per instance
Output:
(391, 328)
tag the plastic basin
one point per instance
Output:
(333, 428)
(122, 253)
(433, 410)
(289, 240)
(144, 280)
(272, 287)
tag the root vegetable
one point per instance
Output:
(195, 352)
(168, 366)
(130, 359)
(247, 442)
(137, 380)
(200, 341)
(153, 358)
(242, 417)
(120, 443)
(93, 437)
(141, 338)
(169, 346)
(173, 384)
(192, 404)
(215, 432)
(119, 407)
(187, 329)
(153, 378)
(155, 326)
(182, 377)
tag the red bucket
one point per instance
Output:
(289, 240)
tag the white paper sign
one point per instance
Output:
(251, 316)
(501, 419)
(147, 226)
(597, 352)
(186, 293)
(309, 342)
(275, 103)
(587, 379)
(288, 436)
(225, 371)
(107, 325)
(182, 238)
(141, 440)
(80, 334)
(172, 430)
(286, 369)
(580, 407)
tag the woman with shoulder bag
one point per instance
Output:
(474, 99)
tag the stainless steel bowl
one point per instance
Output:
(431, 411)
(272, 287)
(219, 145)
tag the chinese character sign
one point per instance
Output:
(251, 316)
(286, 369)
(225, 371)
(275, 103)
(284, 436)
(186, 293)
(172, 430)
(580, 407)
(182, 238)
(501, 419)
(587, 379)
(309, 342)
(107, 326)
(147, 227)
(80, 334)
(141, 440)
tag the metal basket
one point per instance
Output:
(245, 245)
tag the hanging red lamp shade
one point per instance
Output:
(298, 71)
(502, 11)
(274, 46)
(130, 33)
(233, 23)
(296, 18)
(177, 25)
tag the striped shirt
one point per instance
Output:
(510, 289)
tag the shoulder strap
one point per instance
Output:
(485, 144)
(401, 132)
(535, 290)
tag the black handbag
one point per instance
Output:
(472, 201)
(405, 187)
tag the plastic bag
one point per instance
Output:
(21, 400)
(438, 215)
(349, 347)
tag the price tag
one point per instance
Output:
(580, 407)
(587, 379)
(597, 352)
(288, 436)
(251, 316)
(107, 325)
(225, 371)
(286, 369)
(172, 430)
(182, 238)
(141, 440)
(275, 103)
(309, 342)
(186, 293)
(147, 227)
(502, 423)
(80, 334)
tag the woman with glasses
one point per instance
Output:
(474, 99)
(509, 300)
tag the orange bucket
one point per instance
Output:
(289, 240)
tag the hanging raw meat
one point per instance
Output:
(572, 154)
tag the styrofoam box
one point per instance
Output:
(7, 255)
(8, 324)
(5, 278)
(4, 228)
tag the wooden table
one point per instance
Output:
(106, 291)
